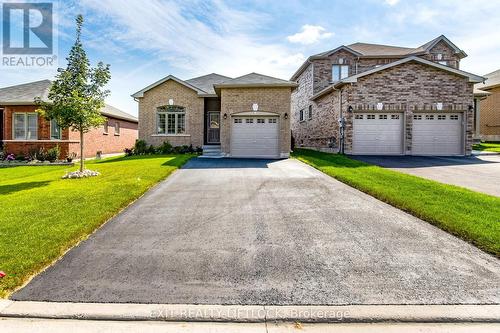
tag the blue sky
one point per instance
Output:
(145, 40)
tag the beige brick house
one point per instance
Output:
(247, 116)
(370, 99)
(487, 96)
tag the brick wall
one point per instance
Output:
(447, 52)
(276, 100)
(322, 68)
(107, 143)
(182, 96)
(490, 116)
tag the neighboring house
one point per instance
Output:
(247, 116)
(488, 104)
(22, 130)
(390, 100)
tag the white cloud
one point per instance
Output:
(391, 2)
(310, 34)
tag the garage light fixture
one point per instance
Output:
(224, 116)
(439, 106)
(286, 115)
(170, 102)
(350, 109)
(380, 106)
(255, 107)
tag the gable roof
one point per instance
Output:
(255, 80)
(492, 81)
(25, 94)
(354, 78)
(367, 50)
(141, 92)
(206, 82)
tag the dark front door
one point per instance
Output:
(213, 126)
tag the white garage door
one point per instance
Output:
(378, 134)
(437, 134)
(255, 137)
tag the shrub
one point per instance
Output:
(151, 150)
(20, 157)
(128, 151)
(53, 153)
(41, 154)
(165, 148)
(140, 147)
(10, 158)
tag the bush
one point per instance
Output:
(53, 154)
(140, 147)
(20, 157)
(151, 150)
(128, 151)
(41, 154)
(165, 148)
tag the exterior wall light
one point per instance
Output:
(380, 106)
(439, 106)
(255, 107)
(350, 109)
(170, 102)
(286, 116)
(224, 116)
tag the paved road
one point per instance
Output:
(267, 232)
(477, 173)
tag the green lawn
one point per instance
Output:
(42, 215)
(472, 216)
(487, 146)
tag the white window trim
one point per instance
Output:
(60, 132)
(176, 123)
(25, 126)
(340, 72)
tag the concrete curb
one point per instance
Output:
(253, 313)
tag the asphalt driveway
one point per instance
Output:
(267, 232)
(477, 173)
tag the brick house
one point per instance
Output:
(385, 100)
(22, 130)
(247, 116)
(487, 96)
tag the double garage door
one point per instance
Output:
(255, 137)
(383, 134)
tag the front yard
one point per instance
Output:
(487, 146)
(470, 215)
(43, 215)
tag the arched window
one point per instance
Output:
(171, 119)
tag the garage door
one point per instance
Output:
(255, 137)
(378, 134)
(437, 134)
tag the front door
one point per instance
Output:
(213, 125)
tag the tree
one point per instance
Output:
(76, 96)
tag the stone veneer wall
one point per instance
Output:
(276, 100)
(182, 96)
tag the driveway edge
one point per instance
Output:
(254, 313)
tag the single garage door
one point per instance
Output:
(378, 134)
(437, 134)
(255, 137)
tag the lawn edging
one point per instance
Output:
(471, 216)
(98, 221)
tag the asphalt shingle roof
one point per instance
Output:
(493, 80)
(255, 79)
(206, 82)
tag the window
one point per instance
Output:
(310, 112)
(442, 117)
(25, 126)
(249, 121)
(117, 128)
(358, 116)
(171, 119)
(429, 117)
(261, 121)
(55, 130)
(237, 120)
(105, 127)
(394, 116)
(272, 120)
(439, 56)
(443, 62)
(301, 115)
(454, 117)
(339, 72)
(370, 116)
(417, 117)
(382, 116)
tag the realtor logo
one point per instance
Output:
(28, 35)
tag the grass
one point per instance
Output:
(487, 146)
(42, 215)
(472, 216)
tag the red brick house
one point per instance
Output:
(370, 99)
(22, 130)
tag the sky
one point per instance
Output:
(146, 40)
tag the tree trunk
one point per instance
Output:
(81, 152)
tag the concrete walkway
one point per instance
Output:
(267, 233)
